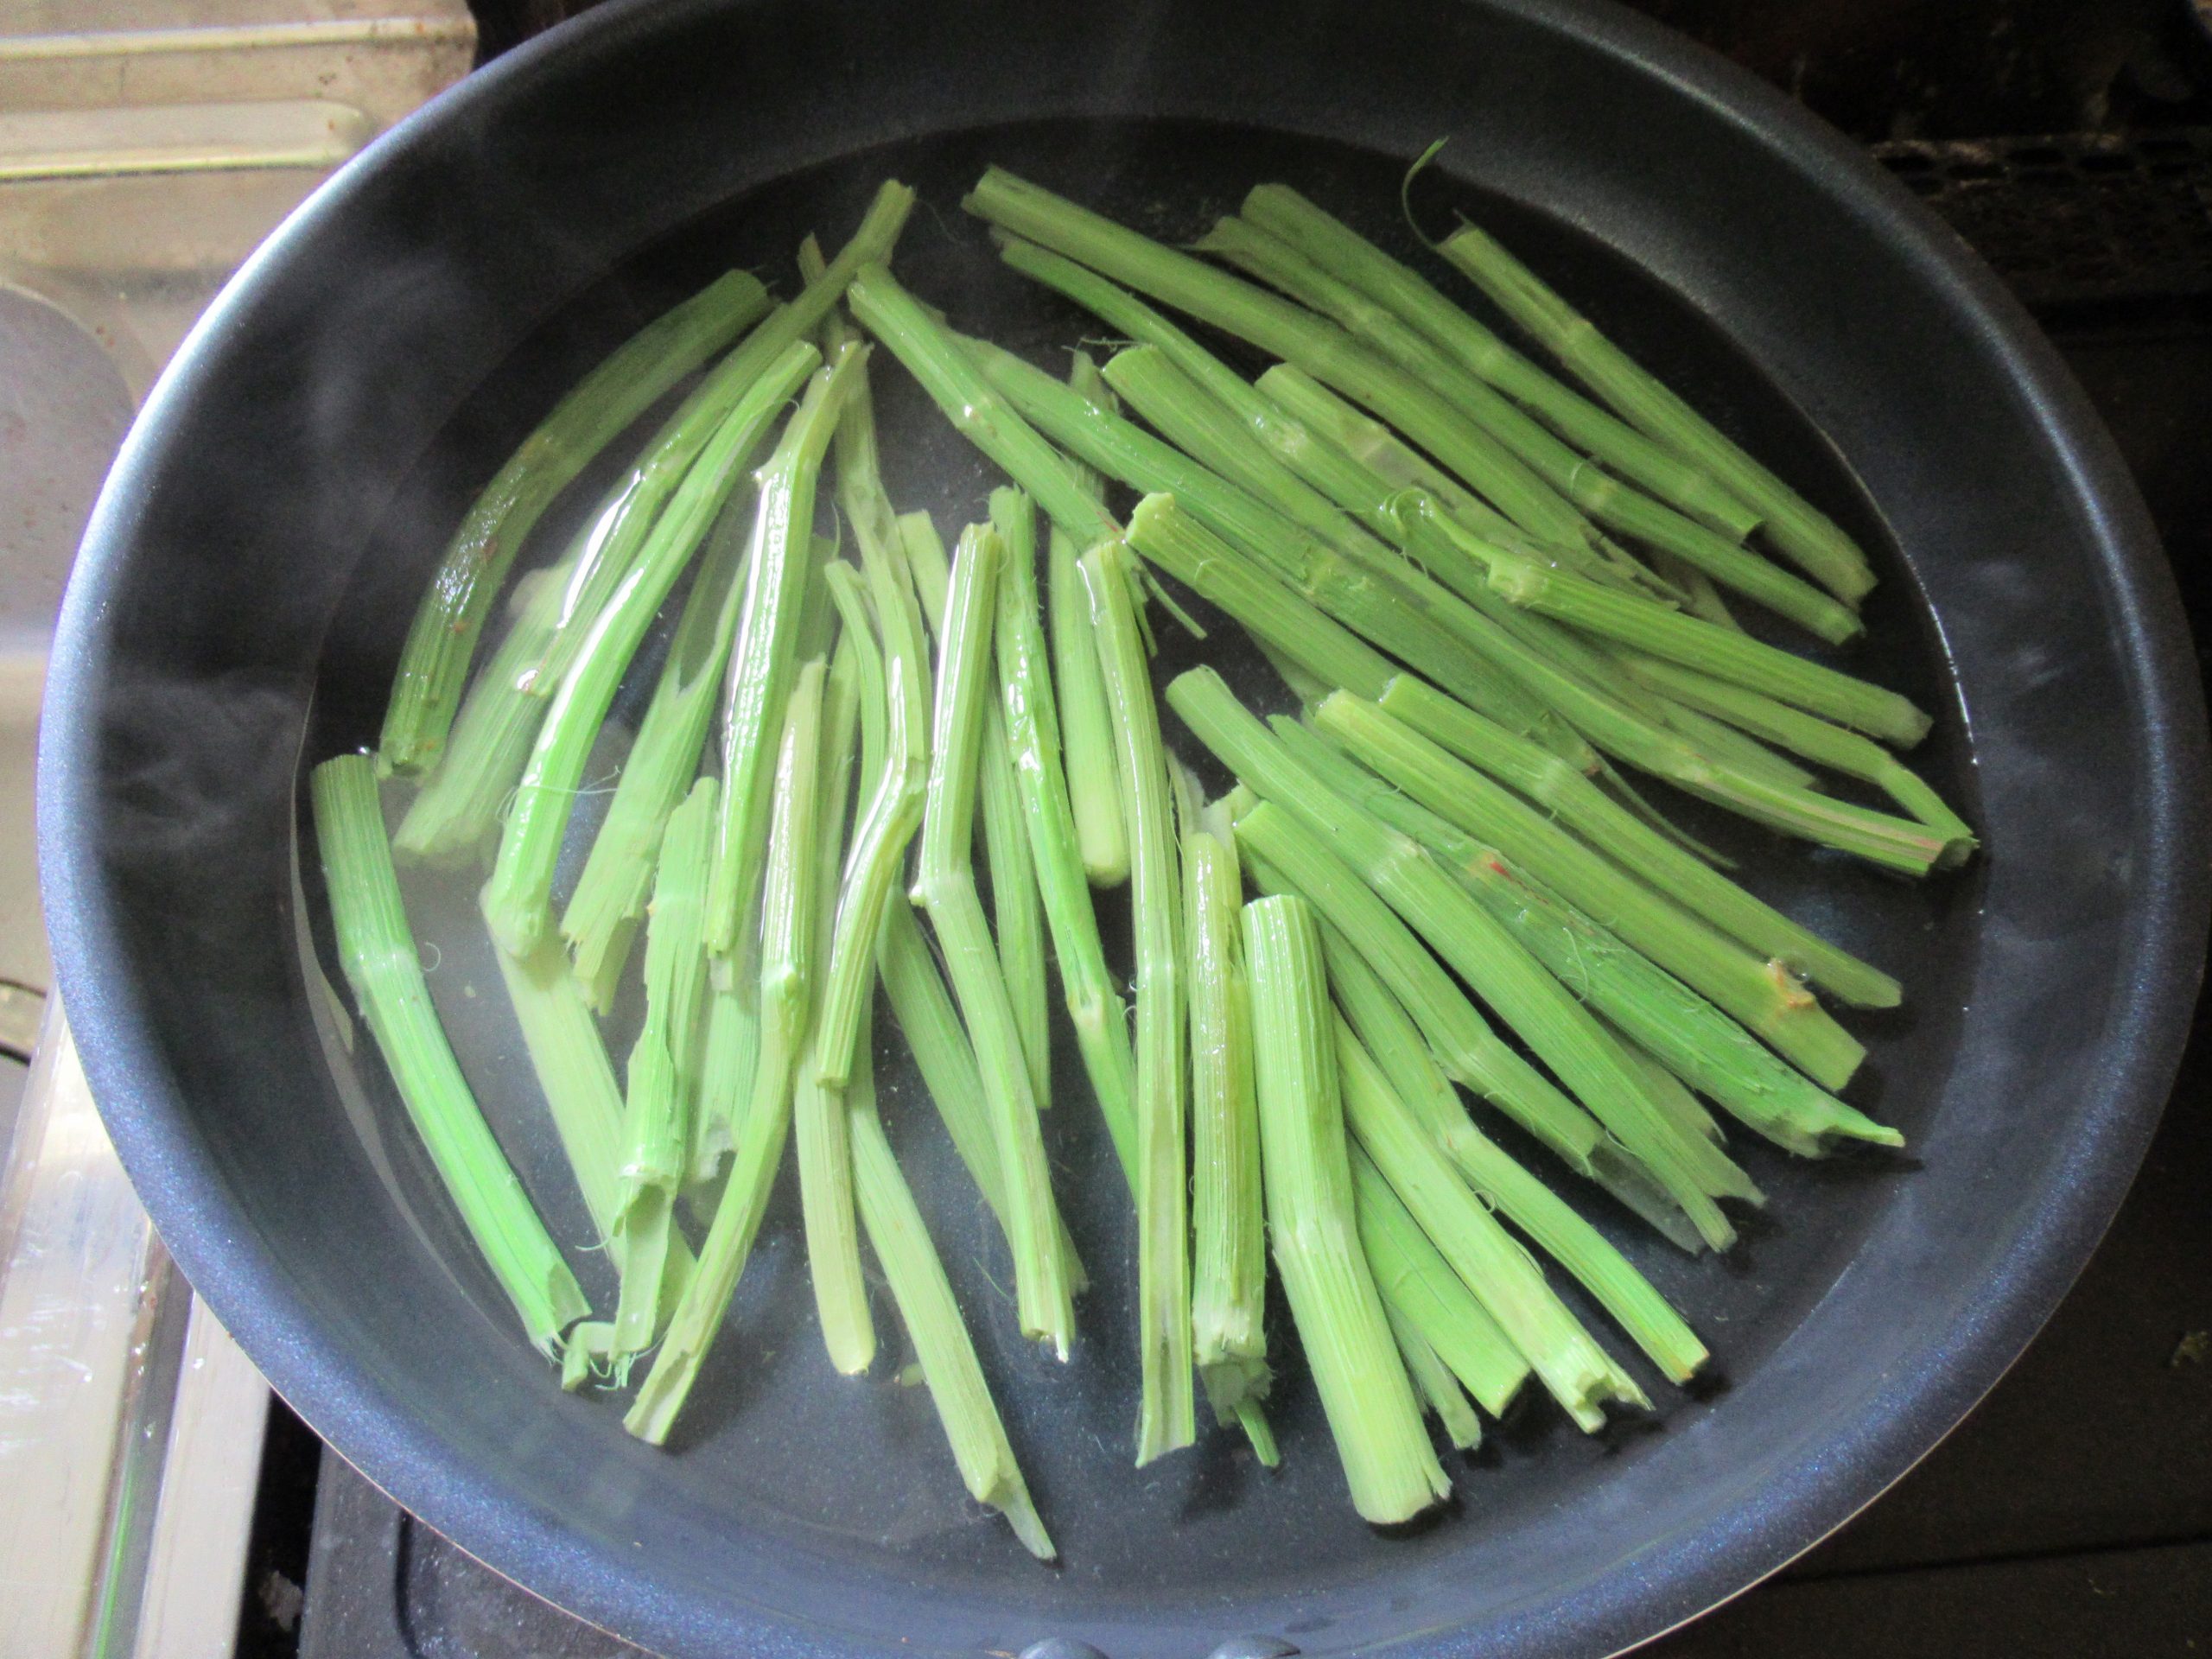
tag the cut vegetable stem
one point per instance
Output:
(1337, 247)
(945, 888)
(442, 638)
(377, 949)
(1166, 1411)
(1095, 1005)
(787, 927)
(1547, 1221)
(517, 896)
(1227, 1222)
(1388, 1462)
(1796, 527)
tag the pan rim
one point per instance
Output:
(1841, 1471)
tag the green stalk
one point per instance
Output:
(569, 1061)
(1282, 621)
(1475, 944)
(1717, 737)
(787, 927)
(1271, 470)
(442, 639)
(1683, 1107)
(465, 795)
(1323, 459)
(1641, 742)
(377, 949)
(1371, 495)
(818, 1111)
(788, 964)
(1578, 479)
(732, 1051)
(1575, 802)
(931, 574)
(1774, 1006)
(1391, 1037)
(1796, 527)
(1686, 1033)
(1818, 741)
(909, 974)
(1017, 910)
(1381, 454)
(1506, 1281)
(1343, 251)
(1319, 459)
(1287, 330)
(1093, 786)
(1094, 1004)
(930, 1023)
(784, 327)
(1212, 435)
(1446, 1401)
(936, 359)
(1700, 596)
(1209, 432)
(1166, 1416)
(758, 682)
(931, 1315)
(1228, 1273)
(1388, 1462)
(603, 914)
(1379, 610)
(1192, 418)
(1652, 1006)
(517, 896)
(1418, 1286)
(459, 805)
(1724, 653)
(894, 813)
(1014, 906)
(663, 1072)
(1285, 857)
(945, 888)
(1068, 491)
(856, 641)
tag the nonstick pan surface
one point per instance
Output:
(249, 573)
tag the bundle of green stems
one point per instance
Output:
(1494, 578)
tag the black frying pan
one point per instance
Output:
(249, 571)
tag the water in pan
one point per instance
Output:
(857, 1468)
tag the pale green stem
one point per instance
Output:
(518, 893)
(757, 684)
(945, 888)
(1166, 1414)
(442, 639)
(787, 944)
(1306, 1176)
(1795, 526)
(377, 949)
